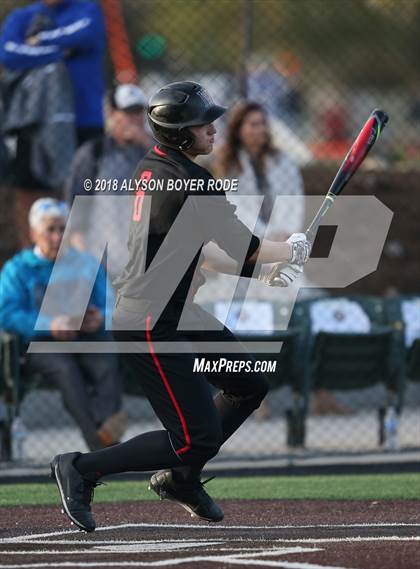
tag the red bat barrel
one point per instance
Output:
(359, 150)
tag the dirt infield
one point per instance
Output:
(286, 534)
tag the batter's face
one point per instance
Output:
(203, 139)
(47, 235)
(254, 130)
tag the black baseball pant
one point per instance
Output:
(196, 423)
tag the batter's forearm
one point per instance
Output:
(217, 260)
(271, 252)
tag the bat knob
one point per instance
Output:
(381, 116)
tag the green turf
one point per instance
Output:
(354, 487)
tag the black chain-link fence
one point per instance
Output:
(347, 376)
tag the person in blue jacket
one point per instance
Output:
(89, 383)
(71, 30)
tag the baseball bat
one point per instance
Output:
(354, 157)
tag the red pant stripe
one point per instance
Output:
(168, 389)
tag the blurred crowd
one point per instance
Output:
(61, 127)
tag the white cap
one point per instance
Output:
(127, 97)
(47, 207)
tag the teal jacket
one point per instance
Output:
(23, 283)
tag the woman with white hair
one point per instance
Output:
(36, 292)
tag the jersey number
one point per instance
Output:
(138, 202)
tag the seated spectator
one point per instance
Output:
(112, 157)
(89, 383)
(53, 85)
(263, 170)
(334, 139)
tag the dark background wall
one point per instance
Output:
(399, 267)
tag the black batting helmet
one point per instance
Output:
(178, 106)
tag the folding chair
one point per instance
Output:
(9, 397)
(352, 360)
(403, 314)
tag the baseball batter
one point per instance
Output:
(164, 233)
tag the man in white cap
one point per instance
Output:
(95, 405)
(110, 158)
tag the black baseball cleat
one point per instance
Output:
(190, 495)
(76, 490)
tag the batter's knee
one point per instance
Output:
(259, 392)
(251, 396)
(203, 446)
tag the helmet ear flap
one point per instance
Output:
(186, 139)
(180, 138)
